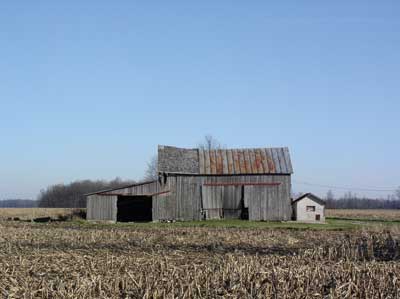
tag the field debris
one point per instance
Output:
(62, 260)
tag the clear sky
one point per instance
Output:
(89, 88)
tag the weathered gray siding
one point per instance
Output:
(164, 205)
(269, 202)
(101, 207)
(187, 197)
(190, 196)
(213, 201)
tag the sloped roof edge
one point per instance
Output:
(310, 196)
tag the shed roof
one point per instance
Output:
(312, 197)
(120, 188)
(224, 161)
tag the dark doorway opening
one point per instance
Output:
(245, 214)
(318, 217)
(134, 208)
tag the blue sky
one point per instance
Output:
(89, 89)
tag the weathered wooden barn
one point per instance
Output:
(196, 184)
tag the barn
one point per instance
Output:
(197, 184)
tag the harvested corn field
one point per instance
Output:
(368, 214)
(67, 260)
(27, 214)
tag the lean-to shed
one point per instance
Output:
(196, 184)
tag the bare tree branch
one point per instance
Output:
(397, 193)
(210, 143)
(151, 172)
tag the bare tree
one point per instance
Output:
(294, 195)
(72, 195)
(210, 143)
(397, 193)
(152, 169)
(329, 195)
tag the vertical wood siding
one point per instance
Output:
(189, 199)
(266, 202)
(102, 207)
(213, 202)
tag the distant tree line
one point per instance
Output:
(352, 201)
(73, 195)
(18, 203)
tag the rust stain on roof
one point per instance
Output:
(247, 161)
(225, 161)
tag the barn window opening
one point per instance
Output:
(134, 209)
(310, 208)
(318, 217)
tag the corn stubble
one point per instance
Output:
(71, 261)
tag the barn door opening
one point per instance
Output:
(220, 202)
(212, 202)
(244, 203)
(134, 208)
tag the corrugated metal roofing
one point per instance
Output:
(245, 161)
(224, 161)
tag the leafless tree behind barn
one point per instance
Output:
(151, 171)
(209, 143)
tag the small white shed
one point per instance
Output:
(309, 208)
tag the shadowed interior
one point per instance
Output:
(134, 208)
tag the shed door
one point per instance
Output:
(222, 202)
(212, 200)
(232, 202)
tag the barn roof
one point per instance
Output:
(224, 161)
(105, 191)
(312, 197)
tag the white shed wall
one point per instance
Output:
(300, 209)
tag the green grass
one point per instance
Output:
(331, 224)
(379, 220)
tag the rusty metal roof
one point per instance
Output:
(225, 161)
(245, 161)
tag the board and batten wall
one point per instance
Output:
(195, 197)
(101, 207)
(190, 196)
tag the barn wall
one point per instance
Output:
(189, 199)
(101, 207)
(164, 205)
(266, 202)
(269, 202)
